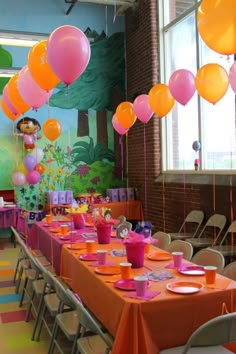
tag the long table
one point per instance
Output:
(138, 326)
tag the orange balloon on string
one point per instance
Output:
(160, 100)
(8, 112)
(125, 114)
(14, 95)
(52, 129)
(212, 82)
(40, 168)
(217, 26)
(39, 68)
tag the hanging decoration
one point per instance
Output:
(216, 25)
(212, 82)
(160, 99)
(52, 129)
(39, 68)
(142, 108)
(28, 129)
(196, 147)
(182, 85)
(68, 53)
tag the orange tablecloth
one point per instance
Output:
(144, 327)
(132, 209)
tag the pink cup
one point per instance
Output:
(141, 285)
(101, 256)
(177, 259)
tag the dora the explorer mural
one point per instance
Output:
(85, 156)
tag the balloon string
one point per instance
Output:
(184, 182)
(163, 202)
(231, 208)
(127, 163)
(122, 159)
(106, 21)
(145, 168)
(214, 199)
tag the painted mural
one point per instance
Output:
(82, 158)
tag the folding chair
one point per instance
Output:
(181, 246)
(190, 226)
(210, 232)
(163, 240)
(229, 271)
(209, 337)
(208, 256)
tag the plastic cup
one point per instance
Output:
(64, 229)
(141, 285)
(177, 259)
(101, 256)
(49, 218)
(210, 274)
(125, 270)
(147, 248)
(90, 246)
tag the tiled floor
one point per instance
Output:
(15, 333)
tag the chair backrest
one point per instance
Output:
(220, 330)
(123, 228)
(229, 271)
(182, 246)
(163, 238)
(216, 221)
(87, 321)
(209, 256)
(231, 229)
(195, 218)
(60, 288)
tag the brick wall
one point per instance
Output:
(165, 202)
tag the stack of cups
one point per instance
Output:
(177, 259)
(210, 274)
(102, 254)
(141, 283)
(90, 246)
(125, 270)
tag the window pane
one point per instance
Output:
(175, 8)
(182, 122)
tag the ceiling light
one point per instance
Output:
(8, 72)
(21, 39)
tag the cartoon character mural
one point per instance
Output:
(28, 128)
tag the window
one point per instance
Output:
(199, 120)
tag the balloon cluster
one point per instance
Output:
(63, 57)
(31, 169)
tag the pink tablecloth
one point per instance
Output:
(8, 216)
(40, 237)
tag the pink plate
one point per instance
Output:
(88, 257)
(65, 238)
(126, 284)
(184, 287)
(192, 270)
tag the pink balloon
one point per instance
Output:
(232, 77)
(116, 125)
(30, 91)
(33, 177)
(142, 109)
(18, 178)
(68, 53)
(182, 85)
(8, 102)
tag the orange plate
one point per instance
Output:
(55, 229)
(159, 256)
(107, 270)
(184, 287)
(76, 246)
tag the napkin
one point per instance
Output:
(158, 275)
(150, 294)
(171, 265)
(118, 253)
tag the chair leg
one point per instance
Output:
(16, 270)
(23, 292)
(40, 322)
(53, 337)
(40, 309)
(18, 282)
(27, 315)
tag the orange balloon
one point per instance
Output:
(39, 67)
(14, 95)
(217, 26)
(40, 168)
(8, 112)
(125, 114)
(212, 82)
(160, 99)
(52, 129)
